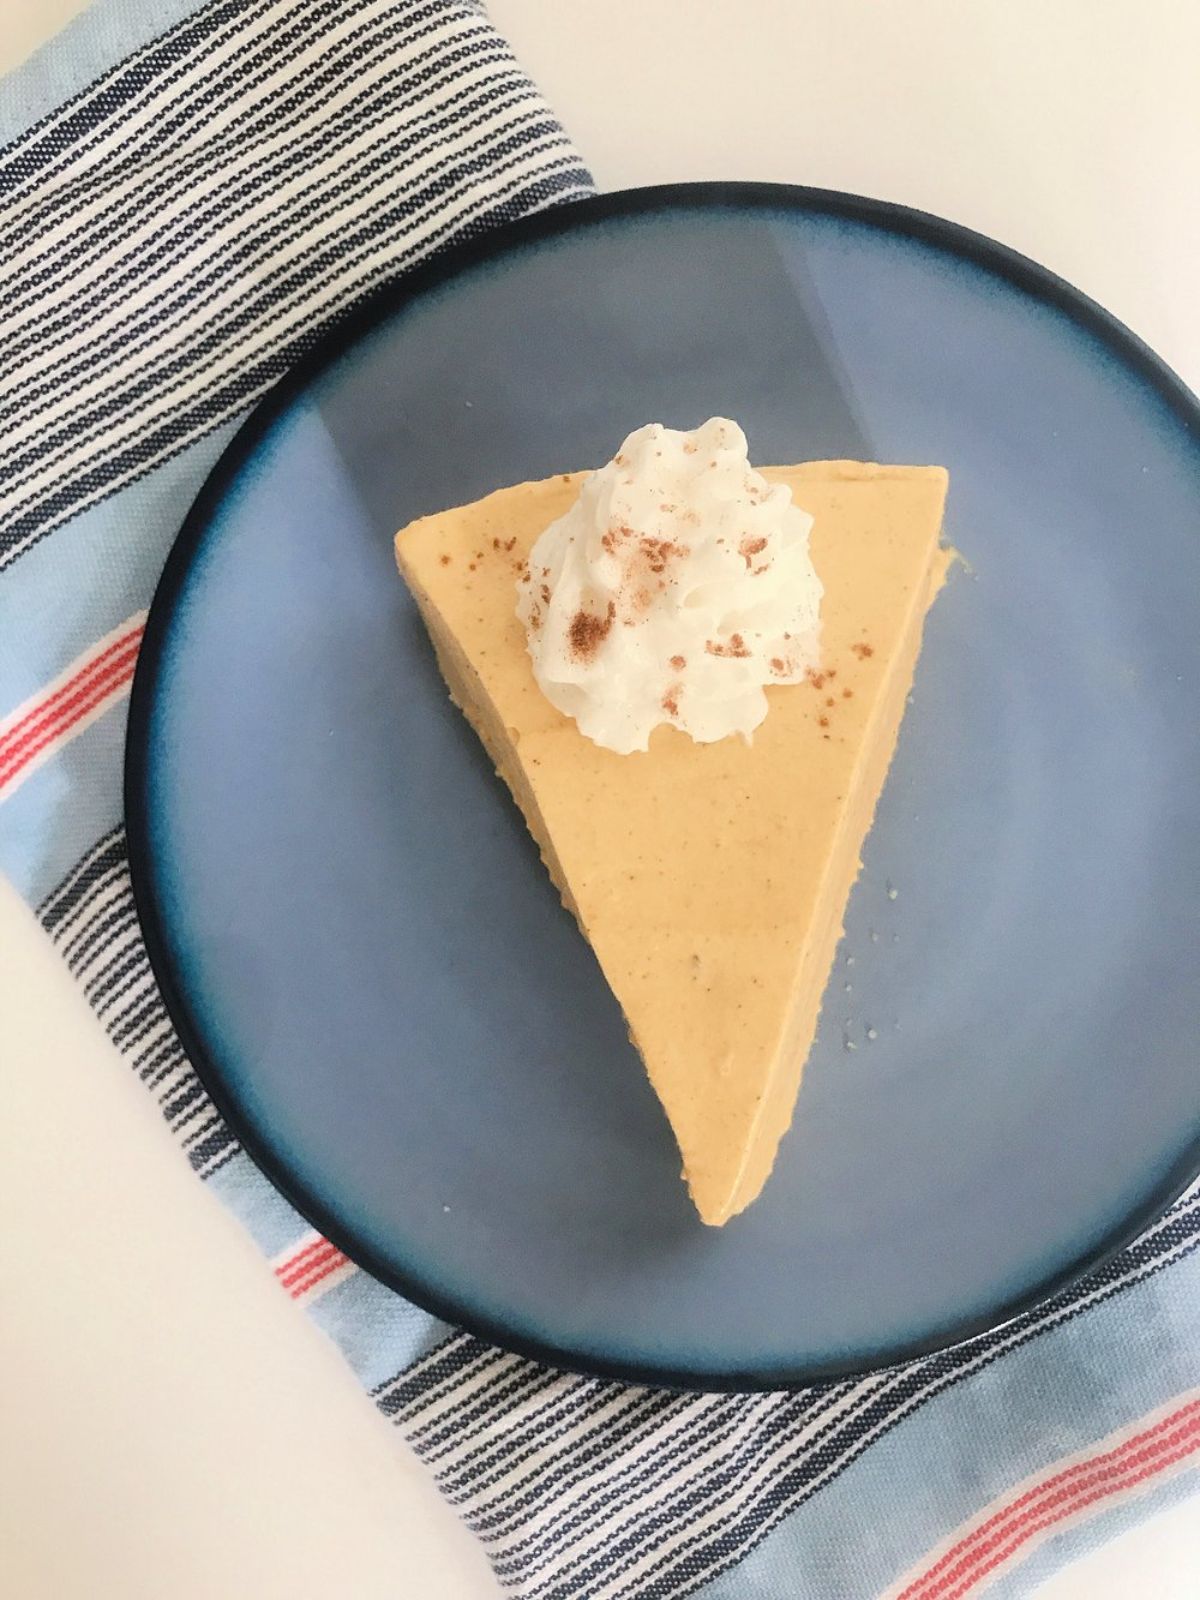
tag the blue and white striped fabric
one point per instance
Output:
(187, 195)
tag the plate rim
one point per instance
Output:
(348, 328)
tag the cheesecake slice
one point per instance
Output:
(710, 879)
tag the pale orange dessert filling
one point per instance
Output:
(710, 879)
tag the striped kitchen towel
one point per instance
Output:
(187, 195)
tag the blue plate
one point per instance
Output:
(367, 962)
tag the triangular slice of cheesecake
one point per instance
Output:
(711, 879)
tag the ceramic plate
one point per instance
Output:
(367, 962)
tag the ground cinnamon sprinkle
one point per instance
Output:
(736, 647)
(778, 665)
(829, 701)
(545, 594)
(862, 651)
(587, 633)
(678, 662)
(445, 560)
(823, 722)
(659, 551)
(670, 702)
(749, 548)
(509, 543)
(817, 679)
(847, 694)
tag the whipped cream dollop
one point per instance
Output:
(676, 587)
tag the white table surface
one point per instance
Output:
(171, 1424)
